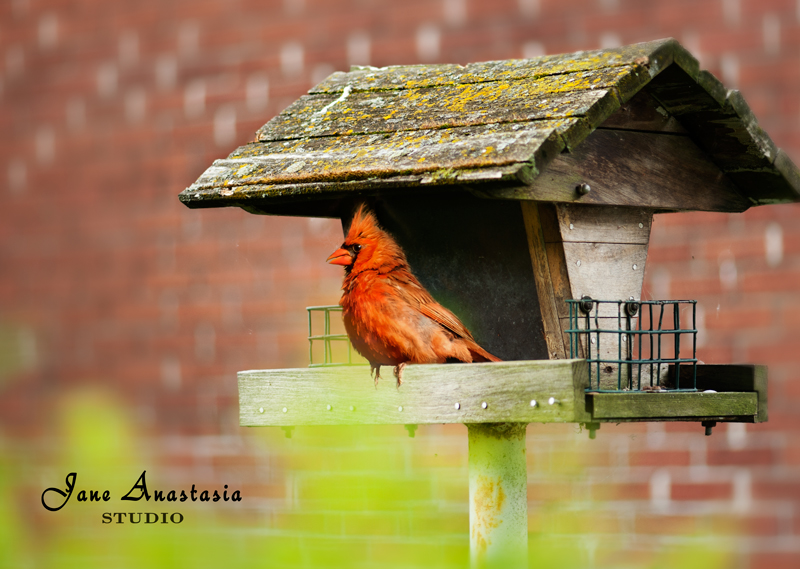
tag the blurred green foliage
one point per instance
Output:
(17, 350)
(339, 498)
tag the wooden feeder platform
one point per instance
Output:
(517, 392)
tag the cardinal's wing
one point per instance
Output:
(411, 291)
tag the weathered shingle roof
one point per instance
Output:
(494, 122)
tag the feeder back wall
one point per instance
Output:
(472, 255)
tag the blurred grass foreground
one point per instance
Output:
(327, 497)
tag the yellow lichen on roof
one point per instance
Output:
(557, 96)
(485, 120)
(426, 76)
(328, 158)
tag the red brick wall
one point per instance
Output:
(109, 109)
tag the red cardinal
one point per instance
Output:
(390, 318)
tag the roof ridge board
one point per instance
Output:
(333, 94)
(658, 43)
(478, 81)
(661, 49)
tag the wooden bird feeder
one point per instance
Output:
(515, 187)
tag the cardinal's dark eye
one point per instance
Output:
(356, 247)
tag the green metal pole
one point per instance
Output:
(498, 495)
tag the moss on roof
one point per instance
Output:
(492, 122)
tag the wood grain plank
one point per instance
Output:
(606, 271)
(580, 223)
(548, 218)
(544, 284)
(322, 198)
(670, 405)
(331, 159)
(646, 58)
(425, 109)
(452, 393)
(559, 276)
(726, 377)
(629, 168)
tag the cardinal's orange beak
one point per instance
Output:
(341, 257)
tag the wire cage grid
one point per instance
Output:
(637, 327)
(326, 338)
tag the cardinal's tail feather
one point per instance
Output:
(480, 355)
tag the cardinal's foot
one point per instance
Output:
(398, 373)
(375, 372)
